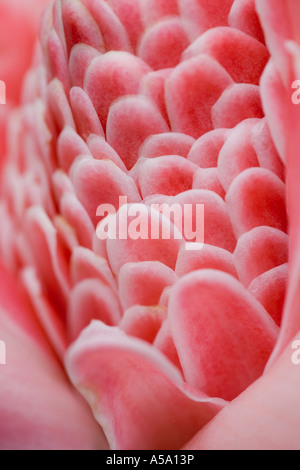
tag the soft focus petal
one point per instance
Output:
(265, 417)
(136, 394)
(38, 408)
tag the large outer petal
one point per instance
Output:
(38, 408)
(265, 417)
(136, 394)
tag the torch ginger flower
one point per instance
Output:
(176, 102)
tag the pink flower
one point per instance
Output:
(175, 102)
(19, 23)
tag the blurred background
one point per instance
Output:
(19, 30)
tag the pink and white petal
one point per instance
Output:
(256, 197)
(85, 264)
(80, 58)
(111, 76)
(265, 417)
(172, 143)
(143, 321)
(201, 15)
(101, 150)
(165, 344)
(217, 226)
(208, 178)
(154, 10)
(92, 299)
(79, 26)
(238, 102)
(209, 257)
(223, 336)
(192, 89)
(69, 146)
(129, 12)
(274, 100)
(243, 16)
(135, 392)
(38, 408)
(228, 46)
(266, 152)
(205, 151)
(143, 283)
(99, 182)
(153, 87)
(237, 153)
(168, 175)
(78, 218)
(163, 44)
(279, 25)
(113, 31)
(84, 113)
(137, 117)
(144, 248)
(270, 290)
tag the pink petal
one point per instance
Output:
(227, 355)
(143, 283)
(85, 116)
(38, 408)
(251, 421)
(201, 15)
(210, 257)
(165, 250)
(153, 87)
(191, 91)
(162, 44)
(238, 102)
(129, 12)
(228, 46)
(266, 152)
(273, 95)
(243, 16)
(97, 182)
(205, 151)
(115, 372)
(80, 58)
(171, 143)
(208, 178)
(101, 150)
(154, 10)
(237, 153)
(168, 175)
(113, 32)
(143, 322)
(217, 226)
(92, 299)
(79, 26)
(111, 76)
(136, 117)
(259, 250)
(69, 146)
(255, 198)
(269, 289)
(85, 264)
